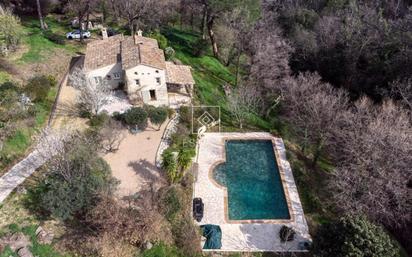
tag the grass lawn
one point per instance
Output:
(210, 76)
(4, 77)
(37, 49)
(16, 146)
(39, 46)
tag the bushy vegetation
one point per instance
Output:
(175, 205)
(20, 118)
(37, 249)
(284, 56)
(157, 115)
(353, 236)
(162, 40)
(72, 180)
(161, 250)
(136, 117)
(55, 38)
(38, 87)
(169, 164)
(11, 31)
(177, 159)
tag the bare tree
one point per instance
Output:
(213, 9)
(81, 8)
(233, 33)
(403, 89)
(111, 135)
(375, 159)
(92, 97)
(42, 25)
(243, 102)
(314, 108)
(270, 59)
(133, 11)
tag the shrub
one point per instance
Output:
(11, 30)
(118, 116)
(170, 112)
(38, 88)
(9, 98)
(72, 180)
(286, 234)
(187, 235)
(163, 250)
(185, 115)
(169, 164)
(8, 86)
(136, 116)
(353, 236)
(184, 158)
(97, 121)
(162, 40)
(172, 203)
(157, 116)
(55, 38)
(170, 53)
(199, 47)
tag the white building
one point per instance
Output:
(137, 65)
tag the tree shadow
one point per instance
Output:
(147, 171)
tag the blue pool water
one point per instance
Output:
(253, 182)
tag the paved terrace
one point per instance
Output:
(246, 236)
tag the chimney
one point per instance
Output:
(139, 33)
(104, 33)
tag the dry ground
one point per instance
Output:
(134, 163)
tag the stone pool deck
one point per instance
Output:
(261, 235)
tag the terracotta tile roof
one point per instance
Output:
(101, 53)
(132, 51)
(141, 50)
(179, 74)
(146, 41)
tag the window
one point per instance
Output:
(157, 71)
(158, 81)
(152, 95)
(137, 82)
(116, 75)
(136, 73)
(108, 77)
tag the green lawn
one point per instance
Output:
(39, 46)
(16, 146)
(210, 76)
(4, 77)
(39, 49)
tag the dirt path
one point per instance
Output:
(134, 163)
(65, 113)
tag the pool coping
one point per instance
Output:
(282, 178)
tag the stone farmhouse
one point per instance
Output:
(137, 65)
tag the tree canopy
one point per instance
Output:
(353, 236)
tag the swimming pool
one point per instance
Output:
(253, 182)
